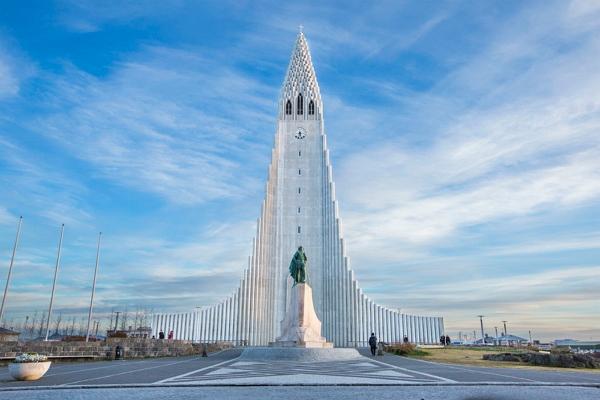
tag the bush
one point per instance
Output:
(560, 350)
(30, 358)
(406, 349)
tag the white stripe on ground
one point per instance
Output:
(412, 371)
(472, 370)
(161, 365)
(193, 372)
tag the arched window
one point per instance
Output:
(311, 108)
(288, 108)
(300, 105)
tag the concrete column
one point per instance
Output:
(372, 316)
(228, 319)
(386, 325)
(396, 329)
(417, 329)
(390, 326)
(205, 320)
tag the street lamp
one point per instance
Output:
(482, 334)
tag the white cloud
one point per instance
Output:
(589, 241)
(530, 145)
(14, 69)
(37, 189)
(5, 216)
(9, 84)
(170, 122)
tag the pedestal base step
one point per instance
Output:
(310, 344)
(298, 354)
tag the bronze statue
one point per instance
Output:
(298, 267)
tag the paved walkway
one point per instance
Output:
(224, 371)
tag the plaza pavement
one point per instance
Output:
(223, 375)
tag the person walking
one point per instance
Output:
(373, 343)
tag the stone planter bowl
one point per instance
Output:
(30, 371)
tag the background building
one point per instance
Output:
(299, 209)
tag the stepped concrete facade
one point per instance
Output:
(300, 209)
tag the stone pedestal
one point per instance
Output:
(301, 327)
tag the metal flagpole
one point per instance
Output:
(62, 230)
(12, 259)
(87, 335)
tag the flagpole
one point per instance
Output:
(62, 230)
(87, 335)
(12, 259)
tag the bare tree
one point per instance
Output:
(137, 318)
(124, 318)
(82, 325)
(33, 322)
(42, 320)
(57, 323)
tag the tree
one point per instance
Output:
(33, 322)
(57, 323)
(124, 317)
(41, 328)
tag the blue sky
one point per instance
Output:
(464, 136)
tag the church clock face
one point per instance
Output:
(300, 133)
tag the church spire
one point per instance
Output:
(300, 95)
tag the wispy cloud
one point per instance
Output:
(14, 69)
(32, 187)
(464, 141)
(522, 150)
(176, 132)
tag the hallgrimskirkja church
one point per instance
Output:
(300, 209)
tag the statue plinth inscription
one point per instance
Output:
(301, 327)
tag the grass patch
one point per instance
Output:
(407, 349)
(474, 356)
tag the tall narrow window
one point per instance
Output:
(299, 172)
(298, 210)
(299, 153)
(299, 229)
(299, 190)
(311, 108)
(288, 108)
(300, 105)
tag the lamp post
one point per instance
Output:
(496, 330)
(62, 230)
(10, 267)
(482, 334)
(87, 335)
(117, 320)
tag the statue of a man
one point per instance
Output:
(298, 266)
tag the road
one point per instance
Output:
(222, 374)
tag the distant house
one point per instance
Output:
(591, 345)
(510, 340)
(7, 335)
(144, 332)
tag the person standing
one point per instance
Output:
(373, 343)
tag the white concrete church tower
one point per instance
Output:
(299, 209)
